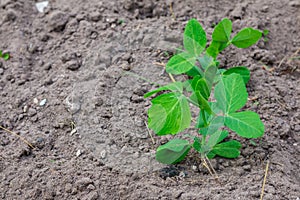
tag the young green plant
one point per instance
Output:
(5, 56)
(218, 93)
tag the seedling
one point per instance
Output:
(5, 56)
(218, 94)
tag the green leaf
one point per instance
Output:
(230, 149)
(206, 61)
(209, 75)
(180, 63)
(213, 139)
(173, 152)
(169, 114)
(199, 84)
(6, 56)
(174, 87)
(231, 93)
(197, 144)
(214, 125)
(0, 53)
(222, 31)
(246, 124)
(216, 47)
(194, 39)
(241, 70)
(246, 37)
(195, 71)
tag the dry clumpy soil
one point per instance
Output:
(67, 90)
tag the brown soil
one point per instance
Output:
(76, 55)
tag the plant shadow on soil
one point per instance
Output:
(77, 56)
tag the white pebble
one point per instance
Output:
(78, 153)
(73, 131)
(43, 102)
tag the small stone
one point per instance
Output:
(1, 71)
(95, 16)
(78, 153)
(68, 187)
(35, 101)
(25, 109)
(194, 168)
(73, 65)
(11, 15)
(58, 21)
(31, 112)
(295, 3)
(91, 187)
(73, 131)
(43, 102)
(40, 6)
(125, 66)
(103, 154)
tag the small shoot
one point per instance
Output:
(171, 110)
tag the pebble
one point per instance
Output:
(43, 102)
(57, 21)
(79, 153)
(31, 112)
(35, 101)
(295, 3)
(103, 154)
(73, 65)
(1, 71)
(73, 131)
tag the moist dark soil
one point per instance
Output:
(74, 88)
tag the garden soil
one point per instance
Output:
(74, 88)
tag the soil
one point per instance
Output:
(74, 87)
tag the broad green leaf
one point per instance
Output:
(169, 114)
(172, 152)
(195, 71)
(241, 70)
(222, 31)
(223, 135)
(174, 87)
(213, 126)
(246, 37)
(200, 84)
(209, 75)
(194, 39)
(231, 93)
(213, 140)
(246, 124)
(210, 155)
(0, 53)
(188, 85)
(216, 47)
(180, 63)
(206, 61)
(230, 149)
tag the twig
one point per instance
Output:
(172, 12)
(264, 182)
(172, 78)
(20, 137)
(207, 167)
(293, 55)
(214, 171)
(149, 133)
